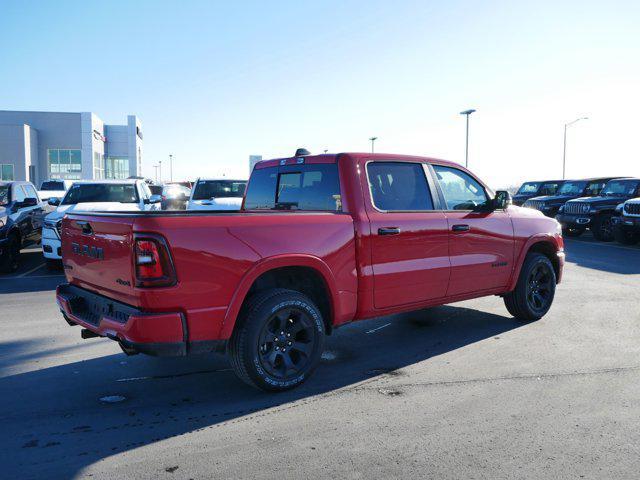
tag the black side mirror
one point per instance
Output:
(30, 202)
(502, 200)
(54, 201)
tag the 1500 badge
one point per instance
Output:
(88, 251)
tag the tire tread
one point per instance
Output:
(237, 342)
(516, 301)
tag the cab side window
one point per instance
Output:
(18, 194)
(460, 190)
(30, 191)
(146, 191)
(594, 188)
(398, 186)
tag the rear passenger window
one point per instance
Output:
(460, 190)
(398, 186)
(295, 187)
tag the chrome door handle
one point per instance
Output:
(389, 231)
(461, 228)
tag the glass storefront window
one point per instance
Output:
(98, 166)
(64, 163)
(116, 167)
(6, 172)
(75, 160)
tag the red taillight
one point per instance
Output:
(153, 263)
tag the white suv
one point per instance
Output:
(626, 227)
(92, 196)
(217, 194)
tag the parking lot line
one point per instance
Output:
(378, 328)
(32, 270)
(15, 277)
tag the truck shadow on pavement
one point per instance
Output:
(55, 423)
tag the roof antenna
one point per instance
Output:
(301, 152)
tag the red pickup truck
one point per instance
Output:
(320, 241)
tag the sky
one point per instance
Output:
(216, 81)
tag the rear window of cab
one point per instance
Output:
(310, 187)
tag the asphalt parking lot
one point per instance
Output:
(461, 391)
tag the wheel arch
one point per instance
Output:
(545, 244)
(303, 273)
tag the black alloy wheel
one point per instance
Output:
(286, 343)
(535, 290)
(540, 285)
(11, 260)
(603, 228)
(277, 340)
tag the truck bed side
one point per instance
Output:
(217, 258)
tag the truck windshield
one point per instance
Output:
(529, 187)
(51, 186)
(206, 189)
(4, 195)
(572, 188)
(295, 187)
(620, 187)
(100, 192)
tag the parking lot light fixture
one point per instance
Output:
(564, 148)
(466, 147)
(372, 139)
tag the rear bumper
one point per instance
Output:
(161, 334)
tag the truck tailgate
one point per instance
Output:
(97, 253)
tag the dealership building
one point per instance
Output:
(37, 146)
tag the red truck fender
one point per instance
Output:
(544, 238)
(271, 263)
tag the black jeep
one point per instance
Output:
(534, 189)
(596, 213)
(20, 221)
(570, 189)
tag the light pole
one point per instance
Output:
(373, 139)
(564, 147)
(171, 168)
(466, 147)
(160, 169)
(156, 169)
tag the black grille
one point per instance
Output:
(632, 208)
(576, 208)
(59, 228)
(536, 204)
